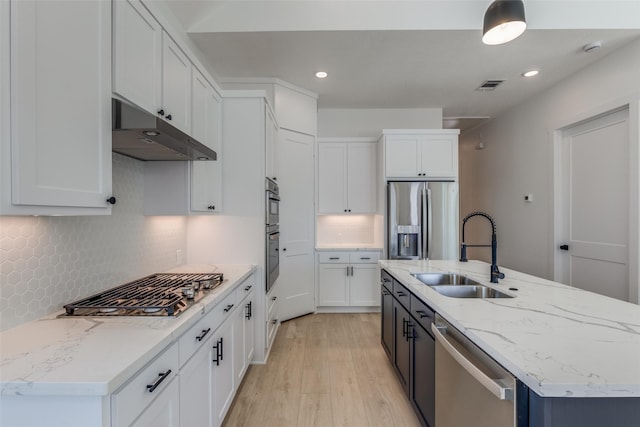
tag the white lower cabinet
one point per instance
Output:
(223, 378)
(348, 279)
(196, 392)
(164, 411)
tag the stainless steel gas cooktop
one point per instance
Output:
(161, 294)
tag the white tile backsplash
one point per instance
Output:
(342, 230)
(47, 262)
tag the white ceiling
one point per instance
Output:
(384, 56)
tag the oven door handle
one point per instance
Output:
(274, 236)
(498, 390)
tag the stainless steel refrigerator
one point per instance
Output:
(422, 220)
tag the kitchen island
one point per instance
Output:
(57, 364)
(568, 346)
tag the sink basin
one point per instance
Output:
(432, 279)
(469, 291)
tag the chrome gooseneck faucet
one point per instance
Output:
(495, 273)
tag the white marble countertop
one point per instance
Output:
(560, 341)
(347, 247)
(96, 355)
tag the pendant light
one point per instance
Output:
(503, 22)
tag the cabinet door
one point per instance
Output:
(364, 285)
(60, 143)
(206, 127)
(239, 361)
(439, 156)
(164, 411)
(423, 393)
(222, 378)
(332, 285)
(249, 329)
(271, 146)
(176, 85)
(387, 322)
(401, 156)
(332, 178)
(362, 177)
(401, 354)
(137, 55)
(196, 393)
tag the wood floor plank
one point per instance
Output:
(325, 370)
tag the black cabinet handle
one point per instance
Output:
(285, 249)
(218, 347)
(211, 207)
(400, 293)
(385, 293)
(227, 308)
(409, 331)
(422, 314)
(203, 334)
(161, 112)
(385, 280)
(274, 298)
(404, 327)
(564, 247)
(249, 314)
(248, 288)
(111, 200)
(163, 376)
(365, 257)
(169, 117)
(334, 257)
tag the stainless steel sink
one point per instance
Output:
(432, 279)
(469, 291)
(458, 286)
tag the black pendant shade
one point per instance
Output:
(503, 21)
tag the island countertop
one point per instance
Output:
(559, 340)
(93, 356)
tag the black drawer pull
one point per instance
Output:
(422, 314)
(385, 293)
(385, 280)
(365, 257)
(203, 334)
(163, 376)
(218, 348)
(248, 288)
(227, 308)
(334, 257)
(249, 308)
(400, 293)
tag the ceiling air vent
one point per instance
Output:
(490, 84)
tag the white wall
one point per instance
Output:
(50, 261)
(518, 159)
(363, 122)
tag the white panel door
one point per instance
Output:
(164, 411)
(439, 156)
(596, 208)
(196, 389)
(362, 178)
(176, 85)
(296, 281)
(364, 285)
(137, 55)
(61, 103)
(333, 285)
(222, 377)
(332, 178)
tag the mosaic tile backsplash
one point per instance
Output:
(47, 262)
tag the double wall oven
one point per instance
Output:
(272, 215)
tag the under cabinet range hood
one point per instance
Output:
(143, 136)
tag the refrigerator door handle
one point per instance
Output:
(429, 224)
(424, 234)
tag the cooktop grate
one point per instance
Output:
(160, 294)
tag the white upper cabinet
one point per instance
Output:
(150, 70)
(271, 146)
(421, 154)
(206, 127)
(176, 85)
(347, 179)
(137, 58)
(56, 128)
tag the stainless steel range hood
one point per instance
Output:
(143, 136)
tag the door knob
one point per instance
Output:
(564, 247)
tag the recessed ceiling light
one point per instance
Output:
(530, 73)
(321, 74)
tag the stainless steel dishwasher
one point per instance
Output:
(472, 389)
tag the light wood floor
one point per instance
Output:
(324, 370)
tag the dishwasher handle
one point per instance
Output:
(497, 389)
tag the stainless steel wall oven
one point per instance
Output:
(272, 219)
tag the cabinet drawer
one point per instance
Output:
(245, 288)
(387, 280)
(402, 294)
(272, 305)
(423, 314)
(364, 257)
(199, 333)
(333, 257)
(224, 309)
(132, 399)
